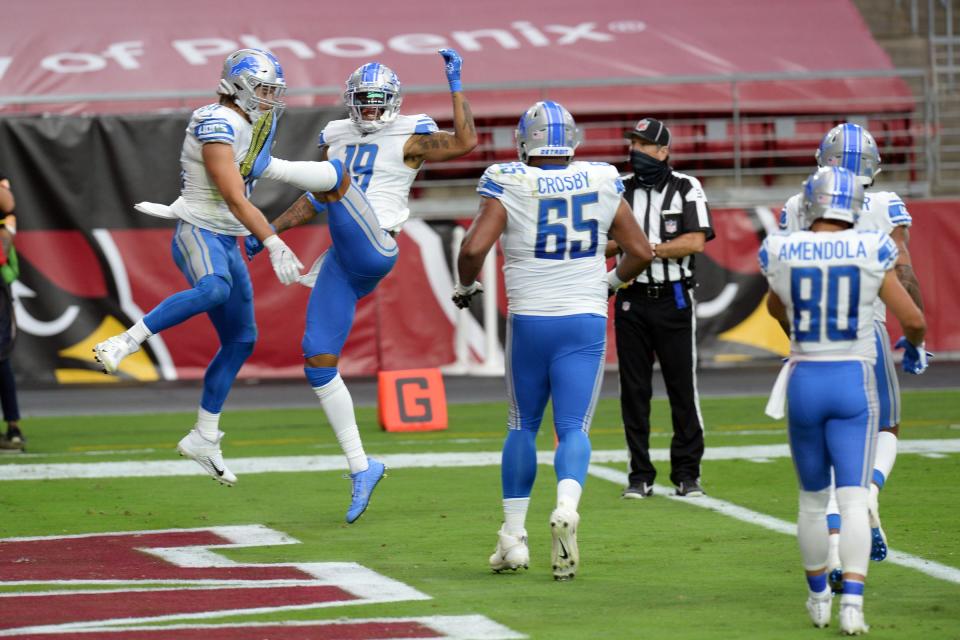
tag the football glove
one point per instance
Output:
(453, 64)
(252, 246)
(284, 261)
(915, 359)
(613, 282)
(462, 295)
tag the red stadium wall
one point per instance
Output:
(78, 288)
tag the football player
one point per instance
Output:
(852, 147)
(383, 151)
(226, 148)
(555, 216)
(824, 284)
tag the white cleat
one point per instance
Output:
(851, 620)
(565, 555)
(511, 552)
(112, 351)
(207, 454)
(819, 606)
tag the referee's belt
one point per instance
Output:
(656, 289)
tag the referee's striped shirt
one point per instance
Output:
(675, 207)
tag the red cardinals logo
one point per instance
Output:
(642, 125)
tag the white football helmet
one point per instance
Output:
(373, 86)
(852, 147)
(254, 78)
(832, 193)
(547, 129)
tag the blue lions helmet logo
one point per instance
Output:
(248, 63)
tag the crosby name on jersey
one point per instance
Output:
(556, 234)
(829, 283)
(375, 160)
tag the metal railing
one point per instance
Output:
(746, 148)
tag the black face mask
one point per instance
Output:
(649, 171)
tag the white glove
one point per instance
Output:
(613, 280)
(284, 261)
(462, 295)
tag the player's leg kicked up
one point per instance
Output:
(361, 255)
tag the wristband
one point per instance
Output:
(318, 206)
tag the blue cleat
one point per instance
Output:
(364, 483)
(878, 547)
(835, 580)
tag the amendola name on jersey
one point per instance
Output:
(829, 283)
(200, 203)
(556, 234)
(375, 160)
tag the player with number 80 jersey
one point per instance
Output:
(829, 283)
(556, 234)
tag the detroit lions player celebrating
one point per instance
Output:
(824, 283)
(227, 146)
(383, 151)
(555, 216)
(852, 147)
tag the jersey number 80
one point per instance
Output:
(806, 293)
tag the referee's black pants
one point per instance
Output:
(646, 327)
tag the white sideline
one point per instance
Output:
(297, 464)
(289, 464)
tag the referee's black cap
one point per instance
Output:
(650, 130)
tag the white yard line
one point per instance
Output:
(297, 464)
(929, 567)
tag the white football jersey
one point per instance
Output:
(200, 202)
(829, 282)
(375, 161)
(556, 234)
(882, 211)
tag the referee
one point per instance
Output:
(655, 315)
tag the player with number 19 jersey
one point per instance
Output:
(829, 283)
(556, 234)
(376, 162)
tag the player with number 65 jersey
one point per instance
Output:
(554, 216)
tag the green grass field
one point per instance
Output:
(659, 568)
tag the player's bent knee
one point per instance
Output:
(215, 290)
(323, 360)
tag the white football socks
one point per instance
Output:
(515, 515)
(208, 424)
(338, 406)
(568, 494)
(139, 332)
(886, 453)
(811, 529)
(855, 539)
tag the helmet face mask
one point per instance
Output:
(852, 147)
(373, 97)
(831, 193)
(254, 78)
(547, 129)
